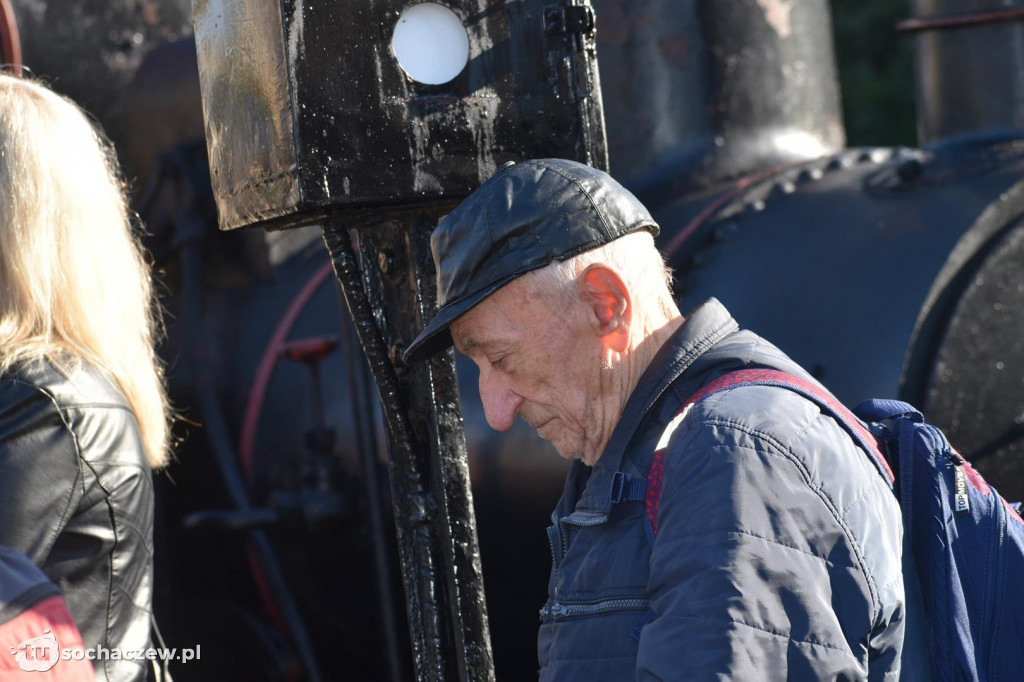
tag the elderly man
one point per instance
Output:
(777, 552)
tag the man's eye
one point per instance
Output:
(501, 362)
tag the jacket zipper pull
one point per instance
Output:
(551, 610)
(961, 500)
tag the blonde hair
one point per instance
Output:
(73, 282)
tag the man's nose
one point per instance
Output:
(500, 402)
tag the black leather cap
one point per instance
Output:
(524, 217)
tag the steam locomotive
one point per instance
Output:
(885, 271)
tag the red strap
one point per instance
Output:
(767, 377)
(655, 479)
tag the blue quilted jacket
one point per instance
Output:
(778, 554)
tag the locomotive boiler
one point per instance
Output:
(886, 271)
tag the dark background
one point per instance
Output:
(875, 72)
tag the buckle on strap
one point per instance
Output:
(627, 488)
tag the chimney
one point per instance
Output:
(698, 92)
(969, 67)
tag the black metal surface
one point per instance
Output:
(440, 559)
(975, 389)
(833, 259)
(698, 92)
(361, 395)
(289, 145)
(968, 80)
(956, 275)
(335, 573)
(307, 109)
(89, 49)
(225, 459)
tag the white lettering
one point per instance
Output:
(31, 652)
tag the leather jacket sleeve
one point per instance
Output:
(76, 496)
(40, 479)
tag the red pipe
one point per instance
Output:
(250, 422)
(718, 204)
(293, 671)
(10, 40)
(265, 369)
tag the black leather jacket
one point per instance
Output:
(76, 496)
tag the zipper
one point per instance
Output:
(994, 596)
(559, 611)
(563, 543)
(552, 531)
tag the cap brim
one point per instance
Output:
(436, 336)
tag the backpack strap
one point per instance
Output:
(761, 377)
(751, 377)
(904, 417)
(626, 488)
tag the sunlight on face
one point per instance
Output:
(537, 363)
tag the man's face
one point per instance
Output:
(536, 363)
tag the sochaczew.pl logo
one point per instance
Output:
(40, 654)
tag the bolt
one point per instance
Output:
(395, 354)
(909, 170)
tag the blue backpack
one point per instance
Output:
(967, 542)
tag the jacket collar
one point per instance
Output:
(702, 329)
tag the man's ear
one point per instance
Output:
(610, 306)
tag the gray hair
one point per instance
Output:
(634, 257)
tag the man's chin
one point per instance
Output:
(566, 450)
(569, 452)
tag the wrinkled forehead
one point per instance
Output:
(499, 318)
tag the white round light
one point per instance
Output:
(430, 43)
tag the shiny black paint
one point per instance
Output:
(307, 109)
(430, 492)
(699, 92)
